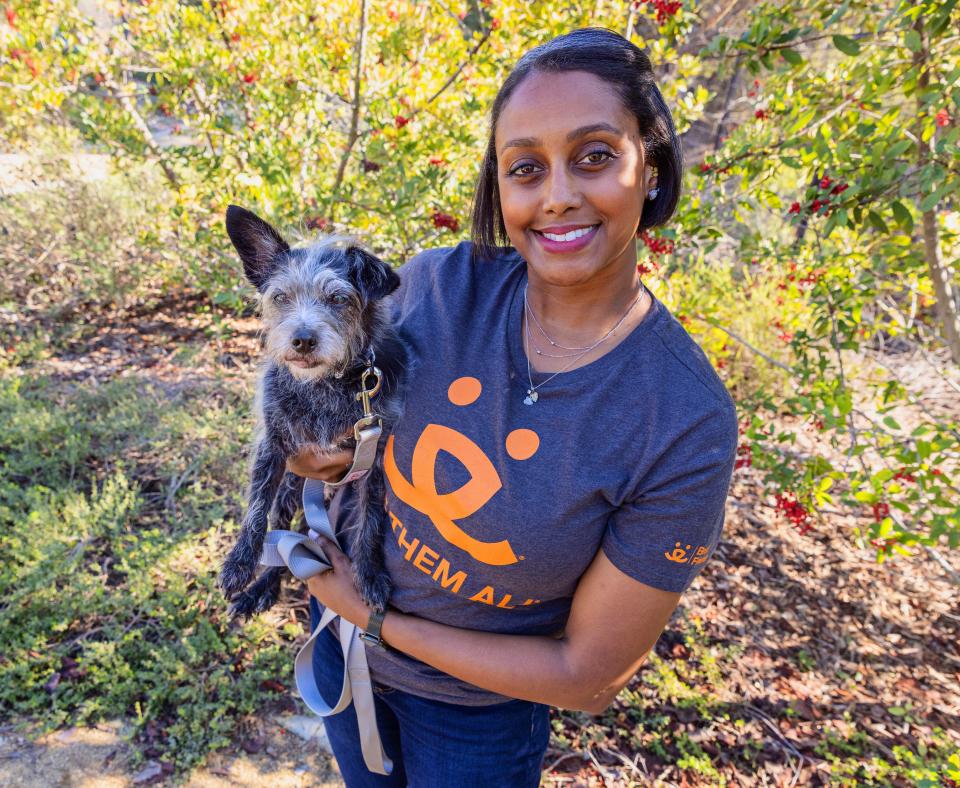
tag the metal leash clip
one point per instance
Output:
(366, 429)
(369, 417)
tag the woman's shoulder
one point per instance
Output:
(691, 375)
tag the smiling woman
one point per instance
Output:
(559, 475)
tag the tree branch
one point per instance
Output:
(355, 114)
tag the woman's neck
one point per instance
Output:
(579, 317)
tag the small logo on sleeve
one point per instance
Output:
(680, 555)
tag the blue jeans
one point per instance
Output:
(432, 744)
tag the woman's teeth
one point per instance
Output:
(569, 236)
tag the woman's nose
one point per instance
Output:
(560, 192)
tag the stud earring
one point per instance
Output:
(652, 194)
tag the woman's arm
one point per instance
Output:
(614, 622)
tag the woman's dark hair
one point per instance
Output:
(609, 56)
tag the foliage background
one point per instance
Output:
(813, 257)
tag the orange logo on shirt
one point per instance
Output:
(420, 492)
(679, 555)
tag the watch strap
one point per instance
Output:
(372, 632)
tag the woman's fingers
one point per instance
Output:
(313, 464)
(330, 549)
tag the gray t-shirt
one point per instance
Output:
(496, 507)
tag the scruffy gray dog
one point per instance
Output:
(323, 312)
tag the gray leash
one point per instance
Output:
(304, 558)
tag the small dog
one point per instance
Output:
(323, 313)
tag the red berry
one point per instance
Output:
(437, 161)
(11, 17)
(794, 208)
(657, 245)
(760, 114)
(664, 8)
(943, 117)
(400, 121)
(825, 182)
(880, 510)
(794, 511)
(744, 454)
(445, 220)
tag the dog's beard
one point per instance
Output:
(331, 354)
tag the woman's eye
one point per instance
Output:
(598, 152)
(517, 170)
(280, 298)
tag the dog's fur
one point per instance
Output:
(322, 310)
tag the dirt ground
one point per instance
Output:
(99, 756)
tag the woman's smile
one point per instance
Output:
(561, 240)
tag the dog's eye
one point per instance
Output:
(280, 298)
(339, 299)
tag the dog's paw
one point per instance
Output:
(242, 607)
(375, 591)
(259, 597)
(234, 576)
(250, 603)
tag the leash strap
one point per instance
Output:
(305, 558)
(363, 455)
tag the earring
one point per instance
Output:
(652, 194)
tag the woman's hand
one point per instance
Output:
(314, 464)
(335, 589)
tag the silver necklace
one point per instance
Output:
(539, 352)
(526, 306)
(532, 395)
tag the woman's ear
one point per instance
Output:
(649, 178)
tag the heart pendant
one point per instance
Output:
(530, 398)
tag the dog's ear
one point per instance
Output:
(373, 277)
(258, 243)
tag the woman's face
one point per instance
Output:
(570, 160)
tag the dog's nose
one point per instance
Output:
(304, 341)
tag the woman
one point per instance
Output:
(559, 475)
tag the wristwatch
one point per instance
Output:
(372, 633)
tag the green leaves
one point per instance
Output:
(912, 41)
(846, 45)
(902, 215)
